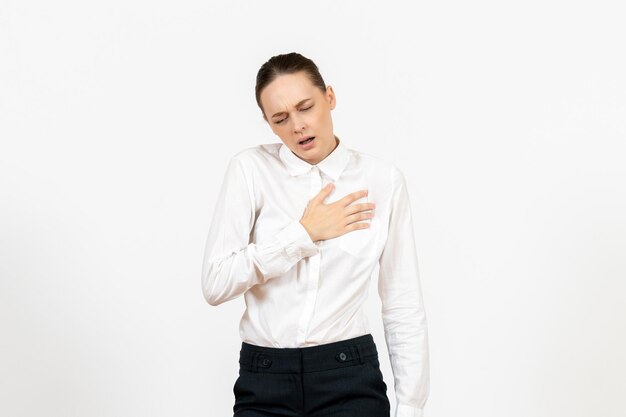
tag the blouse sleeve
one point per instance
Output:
(231, 264)
(403, 314)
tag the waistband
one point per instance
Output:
(327, 356)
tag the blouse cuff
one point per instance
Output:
(296, 241)
(403, 410)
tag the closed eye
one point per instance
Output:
(281, 121)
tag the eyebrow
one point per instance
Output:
(299, 103)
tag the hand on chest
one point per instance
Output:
(281, 204)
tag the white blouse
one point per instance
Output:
(302, 293)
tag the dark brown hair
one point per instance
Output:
(286, 64)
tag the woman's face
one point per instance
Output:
(295, 110)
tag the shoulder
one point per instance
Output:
(378, 165)
(253, 156)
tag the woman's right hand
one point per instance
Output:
(325, 221)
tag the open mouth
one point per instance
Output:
(305, 141)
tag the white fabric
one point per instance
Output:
(302, 293)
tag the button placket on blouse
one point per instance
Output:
(312, 281)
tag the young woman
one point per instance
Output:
(298, 229)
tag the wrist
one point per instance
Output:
(308, 230)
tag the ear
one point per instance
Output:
(330, 97)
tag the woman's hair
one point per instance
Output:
(286, 64)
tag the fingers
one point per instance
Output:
(321, 196)
(346, 200)
(349, 198)
(356, 208)
(360, 216)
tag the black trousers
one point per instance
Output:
(339, 379)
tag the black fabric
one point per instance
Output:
(339, 379)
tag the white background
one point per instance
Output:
(117, 120)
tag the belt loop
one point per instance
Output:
(255, 357)
(359, 354)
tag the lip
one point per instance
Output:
(308, 146)
(304, 138)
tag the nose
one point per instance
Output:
(298, 125)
